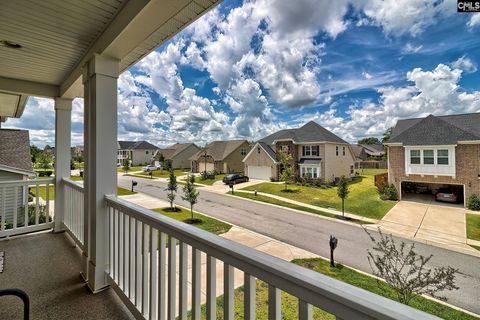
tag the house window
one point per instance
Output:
(309, 172)
(343, 151)
(307, 150)
(243, 151)
(285, 149)
(315, 151)
(310, 151)
(146, 152)
(258, 150)
(428, 157)
(442, 156)
(352, 170)
(336, 150)
(414, 156)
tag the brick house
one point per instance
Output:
(426, 154)
(316, 153)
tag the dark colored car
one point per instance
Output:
(446, 195)
(234, 178)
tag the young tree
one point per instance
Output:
(369, 140)
(44, 160)
(342, 192)
(34, 152)
(171, 187)
(190, 194)
(126, 165)
(406, 271)
(287, 173)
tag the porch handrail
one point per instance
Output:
(74, 215)
(18, 215)
(311, 288)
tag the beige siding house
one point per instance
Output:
(426, 154)
(221, 156)
(316, 153)
(179, 154)
(138, 153)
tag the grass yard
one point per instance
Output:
(208, 224)
(362, 200)
(42, 191)
(266, 199)
(473, 226)
(132, 169)
(370, 172)
(218, 177)
(342, 273)
(161, 173)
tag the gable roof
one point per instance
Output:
(136, 145)
(375, 150)
(309, 132)
(219, 150)
(15, 150)
(175, 149)
(432, 130)
(357, 150)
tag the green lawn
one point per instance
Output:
(162, 173)
(363, 199)
(371, 172)
(473, 226)
(42, 191)
(132, 169)
(218, 177)
(266, 199)
(208, 224)
(342, 273)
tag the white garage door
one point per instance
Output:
(201, 166)
(261, 173)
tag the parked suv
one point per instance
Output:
(149, 168)
(234, 178)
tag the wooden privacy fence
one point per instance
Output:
(381, 178)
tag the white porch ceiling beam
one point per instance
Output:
(71, 86)
(29, 88)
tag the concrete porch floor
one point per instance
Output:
(46, 266)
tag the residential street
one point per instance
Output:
(312, 233)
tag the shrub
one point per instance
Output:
(388, 192)
(473, 202)
(205, 175)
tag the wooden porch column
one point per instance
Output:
(100, 130)
(63, 125)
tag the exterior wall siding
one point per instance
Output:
(234, 161)
(337, 166)
(10, 196)
(140, 157)
(261, 159)
(181, 160)
(467, 158)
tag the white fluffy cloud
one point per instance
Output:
(474, 20)
(464, 63)
(432, 92)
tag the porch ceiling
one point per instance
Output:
(57, 37)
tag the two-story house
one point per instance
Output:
(138, 153)
(316, 153)
(426, 154)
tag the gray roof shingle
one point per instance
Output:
(173, 150)
(434, 130)
(15, 149)
(219, 150)
(139, 145)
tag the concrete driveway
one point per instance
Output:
(421, 218)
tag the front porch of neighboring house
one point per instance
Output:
(133, 262)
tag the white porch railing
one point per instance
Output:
(23, 209)
(144, 272)
(74, 218)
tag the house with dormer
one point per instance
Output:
(427, 154)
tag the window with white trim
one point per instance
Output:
(442, 157)
(336, 150)
(243, 151)
(310, 151)
(344, 151)
(414, 156)
(310, 172)
(428, 157)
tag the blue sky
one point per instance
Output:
(249, 68)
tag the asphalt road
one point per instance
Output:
(312, 233)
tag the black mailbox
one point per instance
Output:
(134, 184)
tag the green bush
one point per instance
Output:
(388, 192)
(207, 175)
(473, 202)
